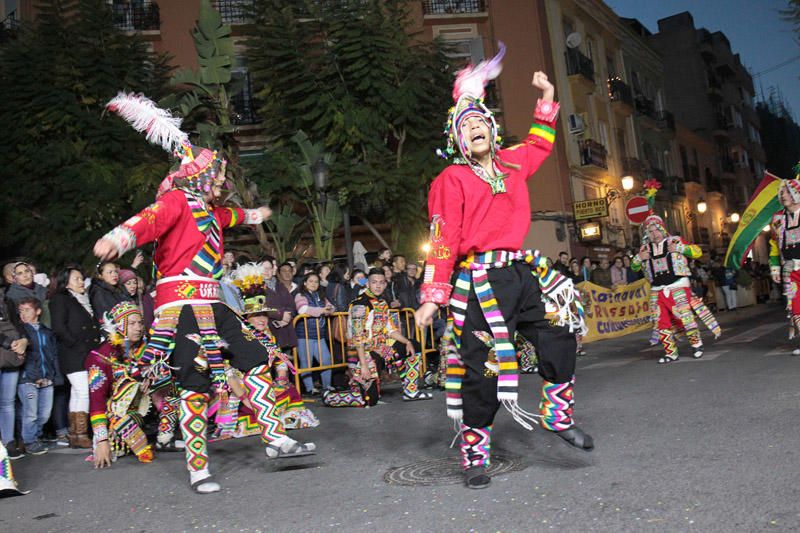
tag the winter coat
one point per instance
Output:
(313, 306)
(41, 358)
(16, 292)
(281, 301)
(104, 297)
(337, 295)
(75, 329)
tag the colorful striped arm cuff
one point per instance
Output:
(543, 132)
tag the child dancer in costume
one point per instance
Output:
(479, 210)
(784, 251)
(192, 326)
(665, 263)
(119, 397)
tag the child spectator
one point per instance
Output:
(38, 375)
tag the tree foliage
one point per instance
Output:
(69, 172)
(349, 75)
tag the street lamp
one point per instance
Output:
(426, 248)
(319, 172)
(627, 183)
(734, 217)
(702, 206)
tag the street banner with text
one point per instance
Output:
(615, 312)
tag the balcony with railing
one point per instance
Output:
(142, 15)
(633, 167)
(675, 185)
(645, 107)
(593, 154)
(620, 93)
(453, 7)
(234, 11)
(665, 119)
(579, 65)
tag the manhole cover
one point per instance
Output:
(447, 471)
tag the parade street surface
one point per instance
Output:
(699, 445)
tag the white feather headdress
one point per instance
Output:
(158, 124)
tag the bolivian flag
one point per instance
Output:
(763, 204)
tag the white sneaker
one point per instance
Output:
(698, 353)
(796, 351)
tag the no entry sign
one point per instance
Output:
(637, 209)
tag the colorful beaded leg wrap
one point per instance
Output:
(705, 315)
(476, 446)
(556, 405)
(684, 312)
(169, 407)
(411, 374)
(351, 398)
(194, 423)
(667, 338)
(258, 383)
(129, 434)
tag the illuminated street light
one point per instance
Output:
(627, 183)
(702, 206)
(426, 247)
(734, 217)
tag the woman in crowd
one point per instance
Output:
(12, 355)
(25, 287)
(586, 268)
(105, 291)
(281, 307)
(336, 291)
(574, 273)
(618, 276)
(76, 332)
(134, 288)
(630, 274)
(312, 332)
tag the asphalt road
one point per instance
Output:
(705, 445)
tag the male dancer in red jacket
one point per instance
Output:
(192, 326)
(480, 213)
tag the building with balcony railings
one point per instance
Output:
(617, 124)
(472, 28)
(711, 92)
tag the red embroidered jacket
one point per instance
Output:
(170, 220)
(466, 217)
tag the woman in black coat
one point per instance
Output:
(105, 291)
(77, 333)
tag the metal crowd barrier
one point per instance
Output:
(336, 340)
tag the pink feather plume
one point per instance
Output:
(160, 126)
(472, 79)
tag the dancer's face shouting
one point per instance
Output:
(476, 132)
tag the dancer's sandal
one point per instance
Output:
(172, 446)
(296, 450)
(575, 436)
(476, 477)
(698, 353)
(419, 395)
(664, 360)
(206, 486)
